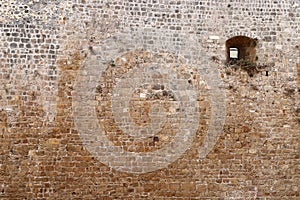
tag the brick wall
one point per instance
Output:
(136, 100)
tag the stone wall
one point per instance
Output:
(136, 100)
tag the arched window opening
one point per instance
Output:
(241, 49)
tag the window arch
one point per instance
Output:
(241, 49)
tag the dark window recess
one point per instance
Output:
(241, 49)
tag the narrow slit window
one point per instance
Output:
(233, 53)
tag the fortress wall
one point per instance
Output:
(137, 100)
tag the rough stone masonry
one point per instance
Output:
(149, 99)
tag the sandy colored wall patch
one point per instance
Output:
(134, 100)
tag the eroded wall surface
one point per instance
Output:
(134, 100)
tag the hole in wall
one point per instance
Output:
(241, 49)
